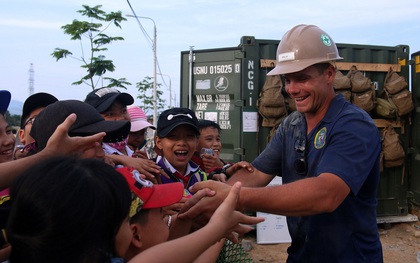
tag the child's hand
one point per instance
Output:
(219, 177)
(109, 161)
(174, 208)
(240, 165)
(226, 218)
(196, 198)
(140, 154)
(211, 161)
(61, 143)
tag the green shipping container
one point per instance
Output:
(414, 151)
(223, 84)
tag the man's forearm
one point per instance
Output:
(250, 179)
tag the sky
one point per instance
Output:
(31, 30)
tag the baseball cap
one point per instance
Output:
(35, 101)
(148, 195)
(172, 118)
(88, 122)
(101, 99)
(5, 97)
(138, 119)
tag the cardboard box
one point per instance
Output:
(274, 229)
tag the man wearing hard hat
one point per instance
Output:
(327, 153)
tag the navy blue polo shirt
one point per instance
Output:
(345, 143)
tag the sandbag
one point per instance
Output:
(385, 109)
(393, 152)
(341, 82)
(403, 101)
(394, 83)
(270, 95)
(271, 104)
(346, 93)
(364, 100)
(359, 82)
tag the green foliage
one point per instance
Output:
(145, 88)
(121, 83)
(95, 64)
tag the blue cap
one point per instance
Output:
(5, 97)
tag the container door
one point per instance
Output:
(214, 91)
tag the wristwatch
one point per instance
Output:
(225, 167)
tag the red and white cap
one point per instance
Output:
(138, 119)
(147, 195)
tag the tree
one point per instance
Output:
(95, 63)
(12, 120)
(145, 88)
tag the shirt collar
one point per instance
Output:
(191, 167)
(335, 108)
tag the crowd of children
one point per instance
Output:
(108, 219)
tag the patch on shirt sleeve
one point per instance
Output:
(320, 138)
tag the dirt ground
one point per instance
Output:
(400, 243)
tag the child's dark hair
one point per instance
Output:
(206, 123)
(67, 210)
(141, 217)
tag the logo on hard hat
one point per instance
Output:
(326, 40)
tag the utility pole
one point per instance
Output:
(154, 67)
(191, 62)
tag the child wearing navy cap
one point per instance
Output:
(177, 138)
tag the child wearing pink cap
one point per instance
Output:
(139, 125)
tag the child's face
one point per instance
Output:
(179, 146)
(116, 112)
(24, 136)
(95, 152)
(7, 141)
(155, 230)
(210, 138)
(136, 138)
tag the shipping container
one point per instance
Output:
(414, 150)
(224, 85)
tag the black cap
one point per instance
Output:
(88, 122)
(33, 102)
(172, 118)
(5, 97)
(102, 99)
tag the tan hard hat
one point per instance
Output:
(303, 46)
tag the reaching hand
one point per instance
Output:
(140, 154)
(219, 177)
(211, 161)
(61, 143)
(146, 167)
(238, 166)
(174, 208)
(206, 206)
(227, 218)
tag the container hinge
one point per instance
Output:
(239, 103)
(239, 54)
(248, 40)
